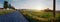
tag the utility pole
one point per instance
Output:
(54, 11)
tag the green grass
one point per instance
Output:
(6, 11)
(39, 16)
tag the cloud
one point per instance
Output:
(14, 0)
(30, 3)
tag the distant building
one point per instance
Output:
(2, 8)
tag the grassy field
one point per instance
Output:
(6, 11)
(39, 16)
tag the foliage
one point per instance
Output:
(39, 16)
(5, 4)
(6, 11)
(11, 7)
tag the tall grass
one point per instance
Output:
(39, 16)
(6, 11)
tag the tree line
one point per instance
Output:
(7, 5)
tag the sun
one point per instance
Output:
(38, 8)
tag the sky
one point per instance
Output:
(32, 4)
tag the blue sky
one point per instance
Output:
(1, 3)
(32, 4)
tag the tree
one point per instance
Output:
(12, 7)
(5, 4)
(9, 6)
(48, 10)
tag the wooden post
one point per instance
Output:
(54, 11)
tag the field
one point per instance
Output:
(40, 16)
(2, 12)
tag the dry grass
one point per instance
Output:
(40, 16)
(6, 11)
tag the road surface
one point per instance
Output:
(13, 17)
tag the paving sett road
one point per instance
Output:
(13, 17)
